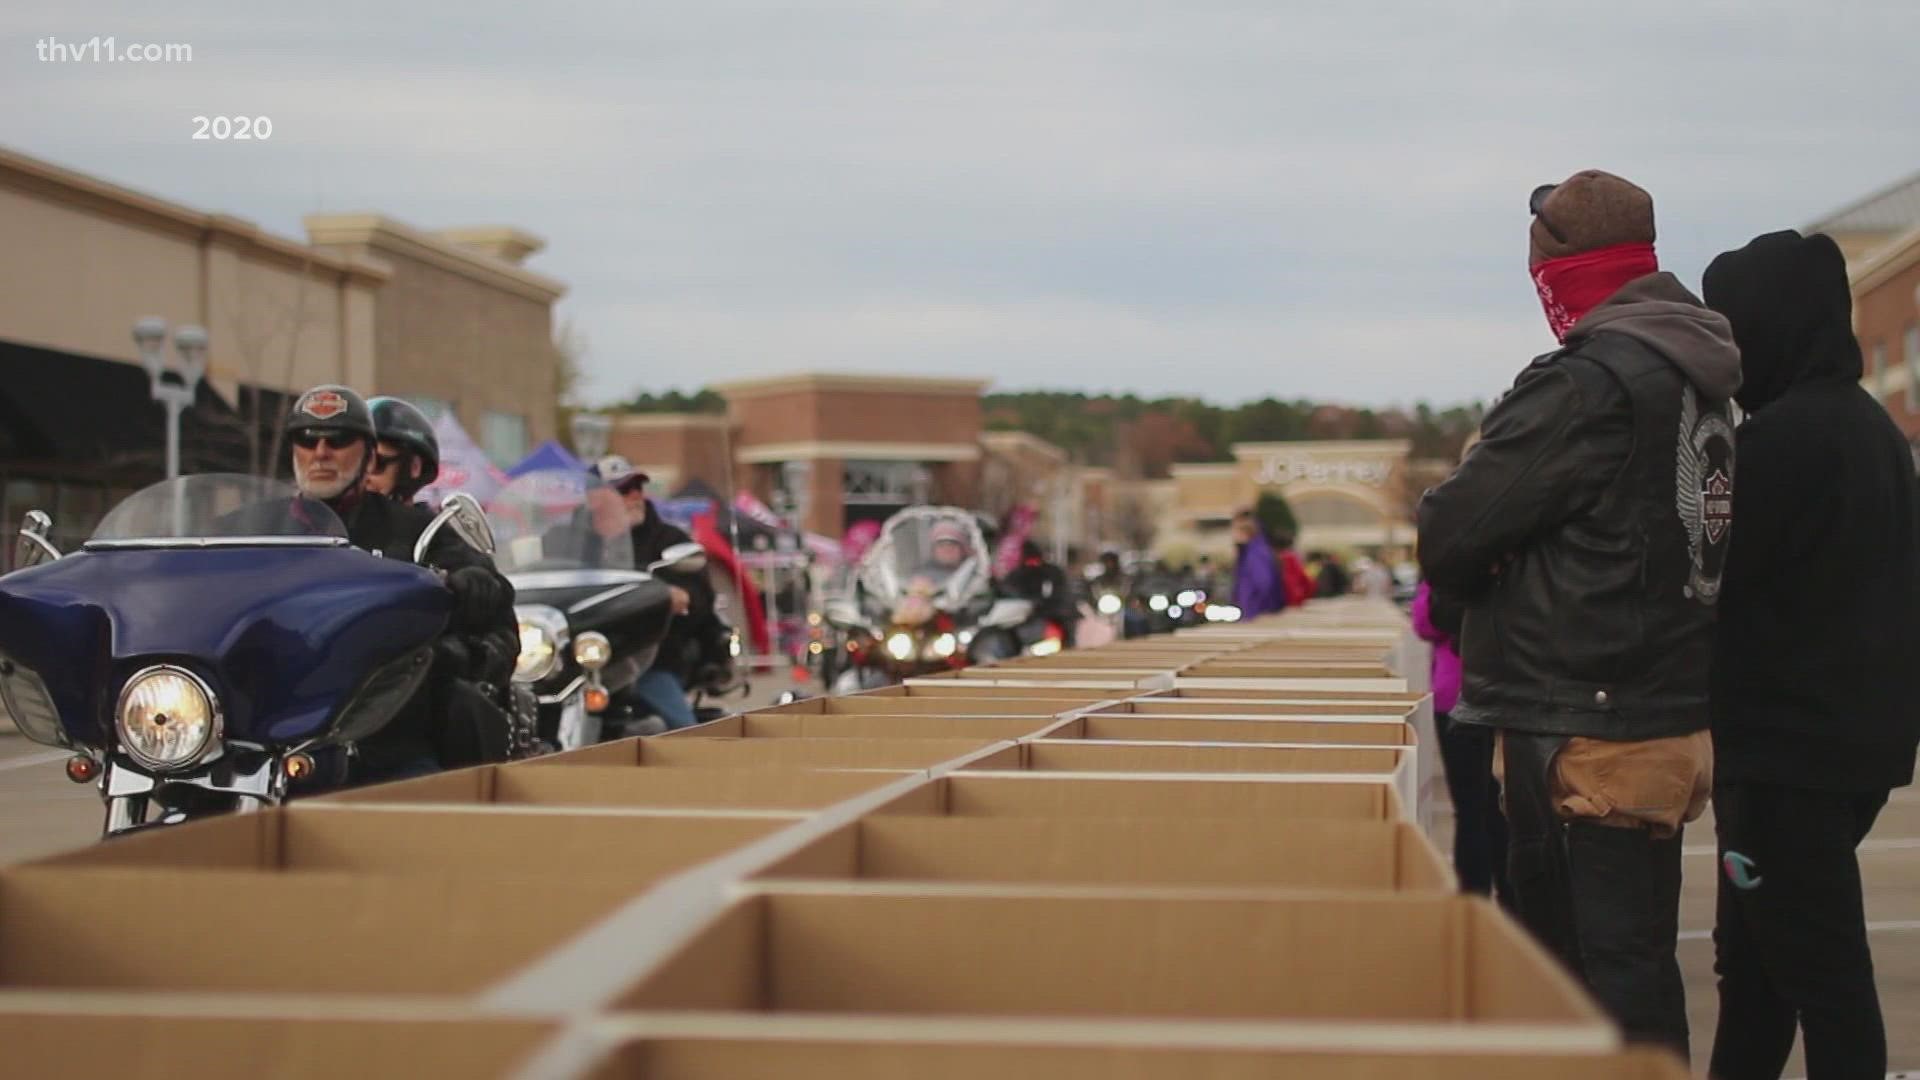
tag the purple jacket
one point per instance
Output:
(1446, 660)
(1257, 588)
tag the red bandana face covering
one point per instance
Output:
(1572, 286)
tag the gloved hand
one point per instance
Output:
(476, 594)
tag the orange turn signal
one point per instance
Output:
(300, 766)
(81, 768)
(597, 699)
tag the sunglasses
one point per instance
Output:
(1539, 199)
(311, 438)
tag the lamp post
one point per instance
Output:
(590, 434)
(173, 386)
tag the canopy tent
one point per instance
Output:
(463, 465)
(549, 456)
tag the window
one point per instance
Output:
(1913, 367)
(505, 437)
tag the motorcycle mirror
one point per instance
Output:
(681, 559)
(33, 548)
(462, 513)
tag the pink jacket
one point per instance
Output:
(1446, 661)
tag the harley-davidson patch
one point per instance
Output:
(323, 404)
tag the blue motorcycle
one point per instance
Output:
(214, 645)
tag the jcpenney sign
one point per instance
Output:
(1280, 470)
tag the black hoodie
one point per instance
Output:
(1820, 613)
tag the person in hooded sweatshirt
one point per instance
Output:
(1813, 718)
(1586, 534)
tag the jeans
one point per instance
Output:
(1791, 949)
(665, 698)
(1479, 828)
(1605, 900)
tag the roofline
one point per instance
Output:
(668, 421)
(43, 179)
(381, 233)
(1892, 259)
(1027, 439)
(820, 380)
(1824, 222)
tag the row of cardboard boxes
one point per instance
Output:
(1099, 865)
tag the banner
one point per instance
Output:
(1019, 526)
(463, 465)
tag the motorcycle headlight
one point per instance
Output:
(1176, 612)
(590, 650)
(167, 718)
(900, 647)
(1187, 599)
(944, 646)
(733, 645)
(1045, 647)
(542, 633)
(1110, 604)
(1223, 613)
(1158, 603)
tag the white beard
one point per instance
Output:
(323, 491)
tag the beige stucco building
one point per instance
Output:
(449, 317)
(1344, 495)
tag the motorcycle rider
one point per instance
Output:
(333, 438)
(1045, 586)
(406, 460)
(663, 688)
(947, 551)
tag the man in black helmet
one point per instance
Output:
(406, 455)
(333, 438)
(406, 459)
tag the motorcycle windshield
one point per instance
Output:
(931, 555)
(219, 509)
(560, 520)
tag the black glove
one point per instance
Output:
(476, 594)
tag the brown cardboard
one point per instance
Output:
(1054, 703)
(1370, 957)
(1309, 669)
(755, 726)
(535, 783)
(1342, 855)
(1182, 729)
(1065, 795)
(1290, 705)
(48, 1043)
(1225, 694)
(169, 929)
(530, 845)
(1002, 1056)
(1070, 755)
(816, 753)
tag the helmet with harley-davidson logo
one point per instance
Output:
(332, 408)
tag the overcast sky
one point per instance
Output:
(1221, 199)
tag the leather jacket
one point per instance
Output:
(1587, 532)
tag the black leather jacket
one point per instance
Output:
(1588, 529)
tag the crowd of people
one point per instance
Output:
(1679, 568)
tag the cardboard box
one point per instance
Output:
(763, 726)
(323, 932)
(949, 688)
(1337, 731)
(166, 1045)
(1374, 959)
(1068, 796)
(1341, 855)
(801, 753)
(1298, 669)
(610, 786)
(1078, 755)
(950, 1051)
(633, 848)
(1290, 705)
(1053, 704)
(1306, 692)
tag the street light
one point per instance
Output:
(590, 434)
(173, 387)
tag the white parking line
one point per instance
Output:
(1872, 928)
(1867, 847)
(35, 759)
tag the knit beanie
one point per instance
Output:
(1590, 210)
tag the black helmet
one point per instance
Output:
(399, 422)
(331, 408)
